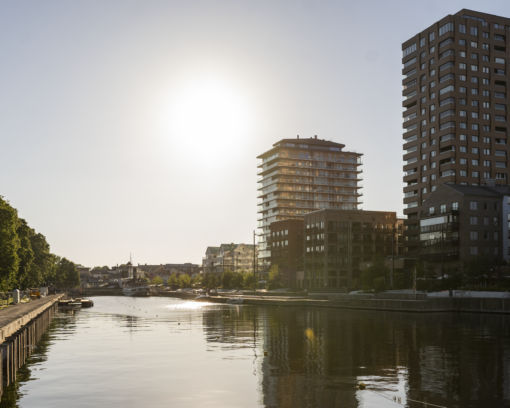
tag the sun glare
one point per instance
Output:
(207, 114)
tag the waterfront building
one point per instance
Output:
(462, 221)
(338, 241)
(236, 257)
(298, 176)
(455, 109)
(285, 241)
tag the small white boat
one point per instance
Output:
(136, 289)
(204, 297)
(236, 300)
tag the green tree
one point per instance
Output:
(249, 280)
(100, 268)
(184, 281)
(66, 273)
(478, 268)
(157, 281)
(227, 279)
(377, 269)
(238, 280)
(42, 263)
(274, 280)
(25, 253)
(9, 245)
(173, 279)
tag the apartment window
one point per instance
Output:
(433, 165)
(485, 58)
(431, 210)
(433, 72)
(485, 81)
(463, 125)
(432, 95)
(422, 42)
(474, 80)
(499, 60)
(463, 161)
(486, 116)
(486, 220)
(462, 54)
(485, 34)
(474, 44)
(486, 129)
(424, 156)
(433, 188)
(500, 95)
(485, 236)
(475, 174)
(463, 173)
(474, 115)
(474, 55)
(474, 126)
(424, 190)
(432, 177)
(433, 107)
(474, 150)
(473, 250)
(475, 162)
(486, 105)
(455, 206)
(462, 42)
(462, 89)
(432, 36)
(463, 101)
(432, 49)
(473, 220)
(499, 118)
(487, 152)
(423, 99)
(462, 65)
(474, 31)
(486, 175)
(432, 119)
(432, 84)
(462, 28)
(463, 77)
(445, 102)
(485, 70)
(500, 152)
(424, 122)
(432, 60)
(424, 167)
(463, 113)
(422, 66)
(486, 93)
(463, 149)
(424, 179)
(474, 103)
(473, 235)
(501, 164)
(499, 106)
(422, 55)
(485, 46)
(486, 163)
(409, 50)
(474, 91)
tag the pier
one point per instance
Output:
(21, 327)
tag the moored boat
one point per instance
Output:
(136, 289)
(236, 300)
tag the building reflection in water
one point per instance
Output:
(316, 357)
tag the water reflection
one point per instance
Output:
(157, 352)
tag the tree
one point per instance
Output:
(377, 270)
(478, 268)
(66, 273)
(238, 279)
(184, 281)
(157, 281)
(274, 280)
(25, 254)
(249, 280)
(100, 268)
(42, 263)
(9, 245)
(172, 279)
(227, 279)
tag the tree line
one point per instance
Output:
(25, 257)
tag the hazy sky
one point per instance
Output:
(134, 126)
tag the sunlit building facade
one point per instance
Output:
(298, 176)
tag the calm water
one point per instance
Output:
(161, 352)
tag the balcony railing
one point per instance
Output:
(447, 226)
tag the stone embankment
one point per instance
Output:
(21, 327)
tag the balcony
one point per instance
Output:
(448, 226)
(439, 242)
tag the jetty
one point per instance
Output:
(21, 327)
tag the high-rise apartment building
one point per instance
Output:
(455, 108)
(298, 176)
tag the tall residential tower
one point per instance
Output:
(298, 176)
(455, 109)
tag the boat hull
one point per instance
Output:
(136, 292)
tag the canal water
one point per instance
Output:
(164, 352)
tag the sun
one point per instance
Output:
(207, 114)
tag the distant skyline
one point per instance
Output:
(133, 126)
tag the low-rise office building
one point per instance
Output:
(337, 241)
(462, 221)
(285, 242)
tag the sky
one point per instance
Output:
(130, 126)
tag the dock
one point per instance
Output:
(21, 327)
